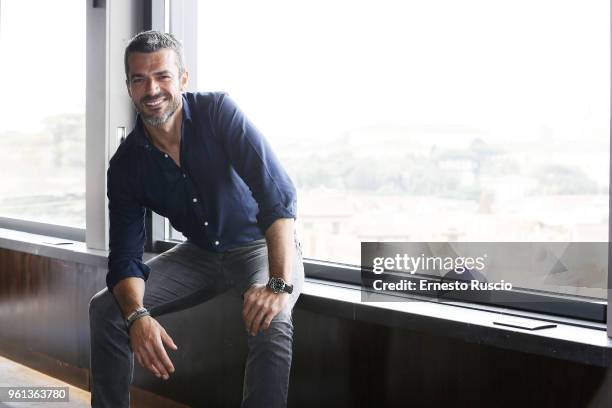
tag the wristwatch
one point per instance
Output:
(277, 285)
(135, 315)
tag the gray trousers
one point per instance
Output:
(182, 277)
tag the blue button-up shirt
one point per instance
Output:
(229, 189)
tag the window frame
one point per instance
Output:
(107, 109)
(44, 228)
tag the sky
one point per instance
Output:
(42, 69)
(318, 69)
(314, 67)
(496, 64)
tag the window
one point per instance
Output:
(42, 111)
(427, 120)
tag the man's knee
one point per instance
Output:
(103, 307)
(279, 332)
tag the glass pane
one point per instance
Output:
(42, 111)
(173, 234)
(427, 120)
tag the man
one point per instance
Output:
(196, 159)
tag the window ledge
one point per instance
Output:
(52, 247)
(571, 340)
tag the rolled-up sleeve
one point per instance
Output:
(253, 159)
(127, 231)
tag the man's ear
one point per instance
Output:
(184, 80)
(127, 85)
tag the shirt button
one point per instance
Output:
(206, 223)
(184, 175)
(195, 200)
(166, 156)
(217, 243)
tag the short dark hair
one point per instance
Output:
(152, 41)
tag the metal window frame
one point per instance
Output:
(158, 18)
(42, 228)
(110, 25)
(565, 306)
(610, 199)
(107, 109)
(39, 227)
(180, 19)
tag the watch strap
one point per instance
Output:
(135, 315)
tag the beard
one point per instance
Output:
(160, 118)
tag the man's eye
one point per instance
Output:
(136, 80)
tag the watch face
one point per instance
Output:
(276, 285)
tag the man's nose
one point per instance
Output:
(152, 87)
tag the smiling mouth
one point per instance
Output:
(154, 103)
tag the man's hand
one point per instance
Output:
(147, 338)
(260, 306)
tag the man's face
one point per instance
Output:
(155, 86)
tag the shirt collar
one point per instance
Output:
(141, 137)
(186, 109)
